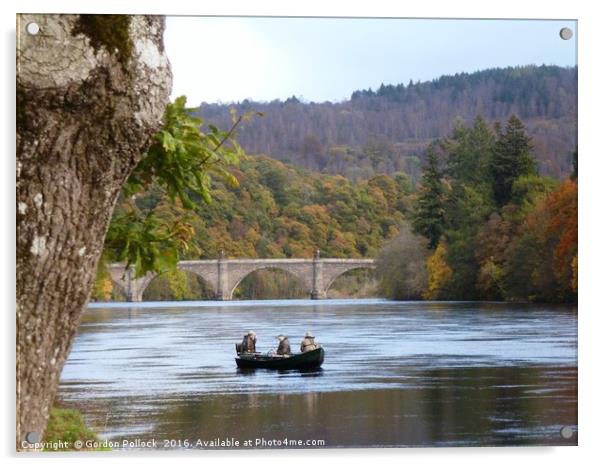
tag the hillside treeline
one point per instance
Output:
(387, 130)
(486, 225)
(482, 224)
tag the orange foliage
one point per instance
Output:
(562, 205)
(574, 280)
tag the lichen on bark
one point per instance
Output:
(108, 31)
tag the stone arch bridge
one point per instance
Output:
(224, 275)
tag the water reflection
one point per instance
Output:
(312, 372)
(394, 374)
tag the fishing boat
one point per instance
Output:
(308, 360)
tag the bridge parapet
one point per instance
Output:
(224, 275)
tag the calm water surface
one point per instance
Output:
(395, 374)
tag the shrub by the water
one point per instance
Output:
(67, 426)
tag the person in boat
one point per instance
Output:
(309, 343)
(284, 347)
(248, 342)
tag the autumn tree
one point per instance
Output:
(439, 273)
(541, 260)
(91, 91)
(401, 265)
(562, 205)
(492, 243)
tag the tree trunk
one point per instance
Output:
(88, 102)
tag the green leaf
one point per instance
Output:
(181, 161)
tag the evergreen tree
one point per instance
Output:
(575, 165)
(428, 218)
(511, 159)
(470, 153)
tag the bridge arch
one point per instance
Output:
(357, 282)
(193, 287)
(238, 278)
(331, 275)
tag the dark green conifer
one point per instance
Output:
(512, 158)
(429, 216)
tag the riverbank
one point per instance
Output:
(67, 431)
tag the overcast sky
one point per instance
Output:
(230, 59)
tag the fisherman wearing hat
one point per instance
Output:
(309, 343)
(248, 342)
(284, 347)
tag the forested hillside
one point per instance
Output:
(486, 224)
(388, 129)
(279, 210)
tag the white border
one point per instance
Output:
(590, 170)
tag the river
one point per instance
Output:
(395, 374)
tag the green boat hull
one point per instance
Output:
(310, 360)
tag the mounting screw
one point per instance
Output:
(566, 33)
(32, 28)
(566, 432)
